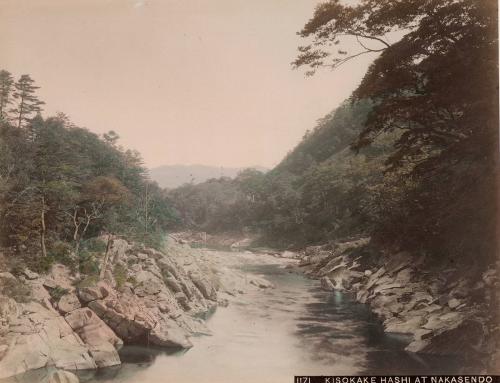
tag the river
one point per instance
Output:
(269, 335)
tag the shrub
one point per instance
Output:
(94, 245)
(62, 252)
(57, 292)
(88, 265)
(155, 240)
(120, 275)
(16, 290)
(59, 252)
(132, 280)
(88, 281)
(40, 264)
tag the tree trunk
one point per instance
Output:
(21, 112)
(146, 218)
(106, 257)
(76, 237)
(43, 229)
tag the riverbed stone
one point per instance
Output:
(453, 303)
(326, 284)
(68, 302)
(93, 293)
(61, 376)
(169, 334)
(261, 282)
(91, 328)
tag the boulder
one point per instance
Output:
(462, 339)
(60, 376)
(289, 254)
(169, 334)
(148, 287)
(246, 242)
(126, 315)
(104, 354)
(62, 276)
(204, 286)
(30, 274)
(312, 250)
(326, 284)
(404, 325)
(89, 294)
(7, 276)
(261, 283)
(9, 309)
(222, 302)
(183, 301)
(172, 284)
(102, 341)
(453, 303)
(91, 329)
(49, 283)
(68, 303)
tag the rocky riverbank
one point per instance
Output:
(146, 297)
(443, 313)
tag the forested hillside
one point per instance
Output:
(319, 192)
(410, 159)
(172, 176)
(61, 184)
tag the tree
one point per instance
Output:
(111, 137)
(435, 87)
(6, 82)
(28, 103)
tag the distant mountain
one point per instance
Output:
(172, 176)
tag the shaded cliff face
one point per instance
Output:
(157, 300)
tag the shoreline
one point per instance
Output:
(440, 314)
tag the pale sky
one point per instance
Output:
(182, 81)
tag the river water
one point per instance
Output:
(270, 335)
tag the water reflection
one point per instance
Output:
(270, 335)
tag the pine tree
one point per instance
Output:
(6, 82)
(28, 103)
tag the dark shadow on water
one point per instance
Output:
(328, 328)
(336, 316)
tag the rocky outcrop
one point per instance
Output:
(38, 337)
(102, 341)
(146, 297)
(440, 313)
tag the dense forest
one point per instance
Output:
(411, 159)
(61, 185)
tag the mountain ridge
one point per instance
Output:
(172, 176)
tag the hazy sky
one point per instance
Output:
(182, 81)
